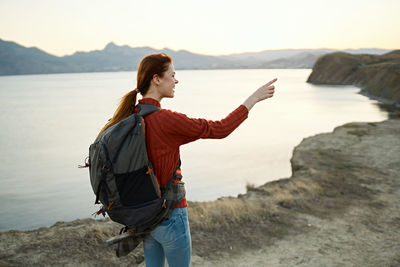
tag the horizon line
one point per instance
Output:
(198, 53)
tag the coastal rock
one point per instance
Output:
(377, 75)
(340, 207)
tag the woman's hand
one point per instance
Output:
(262, 93)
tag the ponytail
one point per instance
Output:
(125, 109)
(149, 65)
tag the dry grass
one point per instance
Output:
(251, 220)
(224, 212)
(233, 225)
(287, 190)
(259, 204)
(255, 219)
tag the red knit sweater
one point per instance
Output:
(166, 131)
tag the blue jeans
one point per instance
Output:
(171, 240)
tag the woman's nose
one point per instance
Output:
(176, 81)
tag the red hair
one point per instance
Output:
(149, 65)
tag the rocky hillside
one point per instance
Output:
(377, 75)
(340, 207)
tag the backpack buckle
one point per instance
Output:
(100, 211)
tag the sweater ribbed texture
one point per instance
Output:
(167, 130)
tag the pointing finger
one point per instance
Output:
(271, 82)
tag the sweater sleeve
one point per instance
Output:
(183, 129)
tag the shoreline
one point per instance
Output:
(382, 106)
(339, 207)
(240, 188)
(385, 104)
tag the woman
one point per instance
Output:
(166, 131)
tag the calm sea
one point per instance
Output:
(49, 121)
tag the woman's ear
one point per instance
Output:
(156, 79)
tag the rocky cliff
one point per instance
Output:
(377, 75)
(340, 207)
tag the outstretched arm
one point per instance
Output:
(262, 93)
(182, 129)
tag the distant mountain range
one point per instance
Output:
(16, 59)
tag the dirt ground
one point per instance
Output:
(340, 207)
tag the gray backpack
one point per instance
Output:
(122, 178)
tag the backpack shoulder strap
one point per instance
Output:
(145, 109)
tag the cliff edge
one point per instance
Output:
(377, 75)
(340, 207)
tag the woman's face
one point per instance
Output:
(167, 83)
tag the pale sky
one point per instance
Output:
(213, 27)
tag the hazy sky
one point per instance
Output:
(204, 26)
